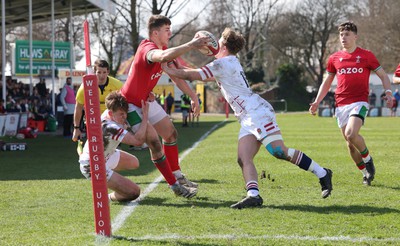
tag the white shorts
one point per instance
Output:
(343, 113)
(156, 113)
(259, 122)
(111, 163)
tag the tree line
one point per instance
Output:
(279, 34)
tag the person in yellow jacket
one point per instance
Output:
(185, 108)
(106, 85)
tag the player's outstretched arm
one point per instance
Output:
(77, 120)
(186, 73)
(172, 53)
(323, 90)
(386, 85)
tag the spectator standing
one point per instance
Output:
(198, 115)
(170, 100)
(394, 107)
(372, 98)
(24, 105)
(382, 97)
(67, 99)
(41, 87)
(185, 109)
(396, 95)
(162, 100)
(2, 107)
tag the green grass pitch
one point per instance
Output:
(46, 201)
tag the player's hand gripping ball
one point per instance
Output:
(213, 46)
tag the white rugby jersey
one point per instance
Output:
(232, 81)
(113, 133)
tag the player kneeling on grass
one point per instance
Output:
(256, 116)
(116, 131)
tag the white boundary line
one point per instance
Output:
(131, 206)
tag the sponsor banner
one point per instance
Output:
(11, 124)
(42, 55)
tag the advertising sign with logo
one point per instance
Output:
(41, 56)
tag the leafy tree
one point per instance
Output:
(292, 87)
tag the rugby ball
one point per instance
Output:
(213, 46)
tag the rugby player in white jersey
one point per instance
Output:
(256, 116)
(116, 131)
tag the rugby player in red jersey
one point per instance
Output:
(352, 66)
(143, 76)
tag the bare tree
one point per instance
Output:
(303, 35)
(379, 30)
(133, 13)
(253, 19)
(107, 29)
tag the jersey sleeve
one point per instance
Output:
(148, 46)
(373, 63)
(80, 96)
(330, 66)
(212, 69)
(113, 131)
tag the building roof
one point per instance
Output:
(17, 11)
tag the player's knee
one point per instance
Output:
(276, 151)
(134, 194)
(350, 136)
(172, 137)
(154, 145)
(128, 196)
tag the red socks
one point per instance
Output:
(164, 168)
(171, 152)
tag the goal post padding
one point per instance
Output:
(96, 152)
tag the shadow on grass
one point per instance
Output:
(177, 241)
(51, 157)
(199, 181)
(386, 187)
(197, 201)
(351, 209)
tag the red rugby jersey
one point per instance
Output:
(143, 76)
(352, 72)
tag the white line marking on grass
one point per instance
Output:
(130, 207)
(246, 236)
